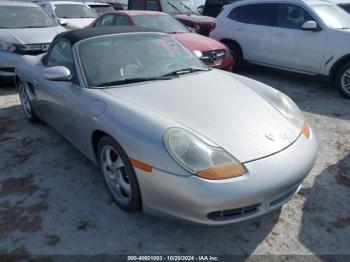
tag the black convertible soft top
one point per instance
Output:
(81, 34)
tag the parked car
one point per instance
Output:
(118, 4)
(170, 135)
(213, 7)
(100, 7)
(309, 37)
(72, 15)
(182, 10)
(24, 29)
(214, 53)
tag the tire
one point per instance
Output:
(343, 80)
(237, 55)
(119, 175)
(25, 103)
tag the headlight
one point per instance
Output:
(292, 112)
(199, 158)
(7, 47)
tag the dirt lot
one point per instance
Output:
(53, 200)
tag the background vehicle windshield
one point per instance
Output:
(74, 11)
(24, 17)
(346, 7)
(164, 23)
(179, 7)
(102, 9)
(119, 57)
(333, 16)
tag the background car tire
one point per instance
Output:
(342, 78)
(130, 199)
(236, 53)
(25, 103)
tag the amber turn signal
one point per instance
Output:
(306, 130)
(140, 165)
(222, 172)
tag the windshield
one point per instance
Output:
(346, 7)
(74, 11)
(164, 23)
(102, 9)
(179, 7)
(24, 17)
(133, 56)
(333, 16)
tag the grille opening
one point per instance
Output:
(233, 213)
(284, 197)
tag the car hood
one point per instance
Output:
(195, 18)
(195, 41)
(78, 23)
(220, 107)
(30, 35)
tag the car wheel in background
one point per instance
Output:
(25, 102)
(236, 53)
(343, 80)
(119, 175)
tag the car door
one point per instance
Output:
(58, 100)
(252, 29)
(291, 46)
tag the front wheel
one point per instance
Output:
(25, 102)
(237, 56)
(343, 80)
(119, 175)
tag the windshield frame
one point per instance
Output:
(79, 65)
(330, 5)
(48, 18)
(67, 5)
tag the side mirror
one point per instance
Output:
(310, 26)
(63, 22)
(57, 73)
(197, 53)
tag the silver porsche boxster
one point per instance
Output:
(171, 136)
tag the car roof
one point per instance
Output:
(140, 12)
(75, 36)
(96, 3)
(65, 3)
(307, 2)
(17, 3)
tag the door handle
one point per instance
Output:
(279, 34)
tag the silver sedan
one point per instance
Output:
(24, 29)
(171, 136)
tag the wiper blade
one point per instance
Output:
(174, 7)
(186, 71)
(188, 8)
(133, 80)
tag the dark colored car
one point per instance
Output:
(182, 10)
(214, 53)
(213, 7)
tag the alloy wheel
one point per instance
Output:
(115, 174)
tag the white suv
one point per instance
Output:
(304, 36)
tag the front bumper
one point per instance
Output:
(8, 62)
(268, 184)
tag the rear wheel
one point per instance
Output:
(25, 102)
(343, 80)
(236, 53)
(119, 175)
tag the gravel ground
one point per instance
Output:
(53, 200)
